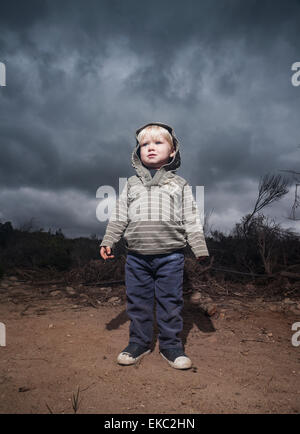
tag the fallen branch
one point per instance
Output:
(295, 276)
(255, 340)
(113, 282)
(241, 272)
(49, 282)
(293, 266)
(23, 273)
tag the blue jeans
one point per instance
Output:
(160, 277)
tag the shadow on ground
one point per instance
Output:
(191, 315)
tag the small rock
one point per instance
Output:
(288, 301)
(70, 290)
(55, 293)
(113, 299)
(107, 289)
(13, 278)
(259, 300)
(294, 309)
(195, 298)
(233, 301)
(228, 333)
(275, 308)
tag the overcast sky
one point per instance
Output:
(82, 76)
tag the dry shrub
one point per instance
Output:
(97, 271)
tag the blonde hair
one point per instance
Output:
(155, 131)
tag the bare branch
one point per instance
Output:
(271, 189)
(296, 204)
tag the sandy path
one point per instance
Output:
(244, 363)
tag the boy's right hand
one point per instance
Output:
(105, 252)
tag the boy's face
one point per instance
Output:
(155, 152)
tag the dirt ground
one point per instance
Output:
(60, 357)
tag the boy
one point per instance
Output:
(157, 215)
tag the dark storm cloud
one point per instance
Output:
(82, 76)
(16, 15)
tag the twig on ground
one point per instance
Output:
(50, 411)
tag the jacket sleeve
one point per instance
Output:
(118, 221)
(192, 224)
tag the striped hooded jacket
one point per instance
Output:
(156, 215)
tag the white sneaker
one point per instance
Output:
(131, 354)
(176, 358)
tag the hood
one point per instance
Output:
(142, 171)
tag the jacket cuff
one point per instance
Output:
(200, 251)
(106, 244)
